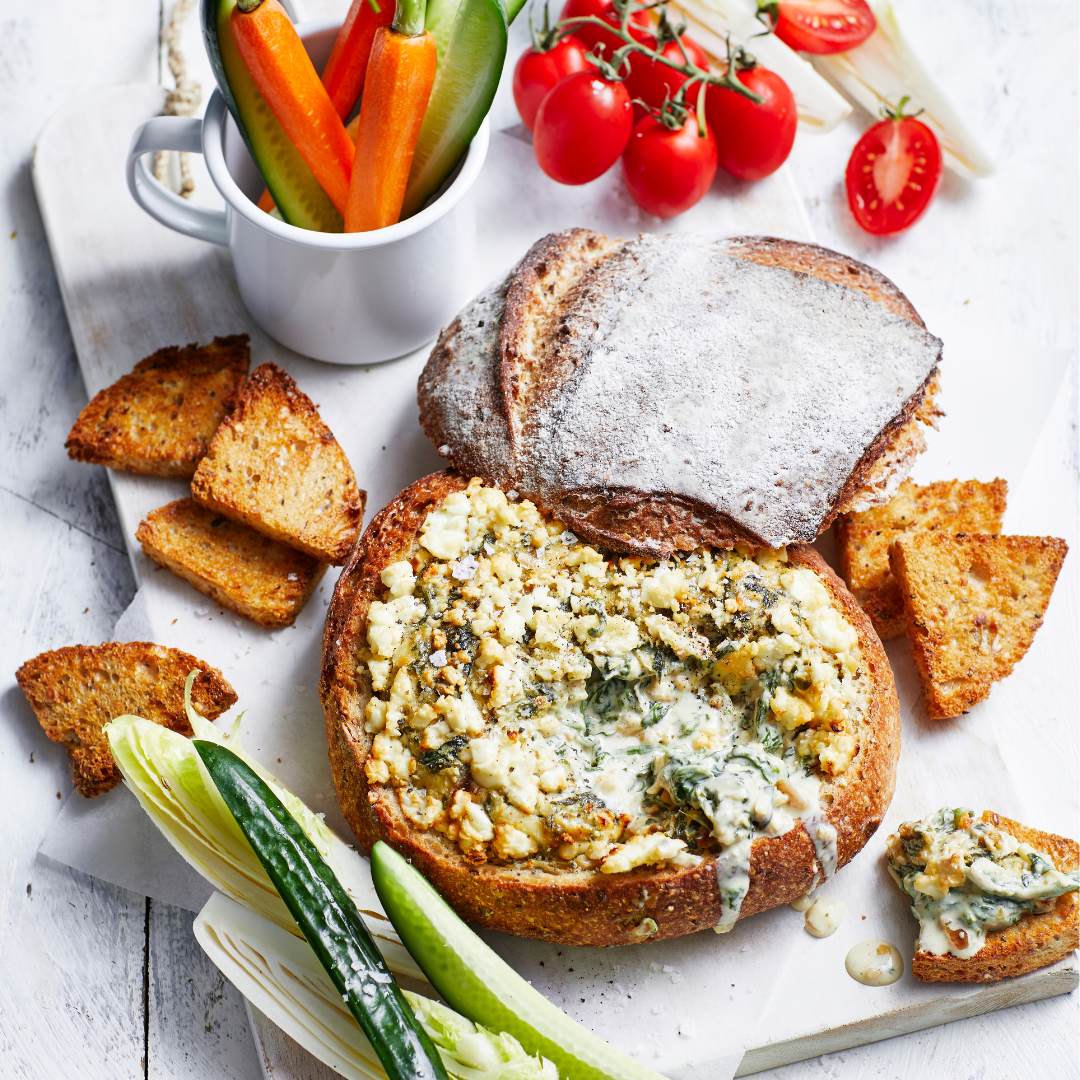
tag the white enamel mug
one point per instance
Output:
(347, 298)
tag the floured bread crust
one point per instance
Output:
(594, 395)
(582, 907)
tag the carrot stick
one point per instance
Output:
(396, 90)
(344, 73)
(281, 69)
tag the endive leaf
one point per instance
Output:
(886, 68)
(167, 776)
(279, 974)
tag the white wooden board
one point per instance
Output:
(130, 287)
(132, 284)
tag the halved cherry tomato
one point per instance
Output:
(537, 72)
(822, 26)
(592, 36)
(892, 174)
(668, 170)
(582, 126)
(753, 140)
(650, 81)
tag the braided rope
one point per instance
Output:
(183, 99)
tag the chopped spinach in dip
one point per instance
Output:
(967, 876)
(535, 699)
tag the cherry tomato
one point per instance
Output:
(666, 170)
(537, 72)
(892, 174)
(753, 140)
(592, 36)
(650, 81)
(582, 126)
(824, 26)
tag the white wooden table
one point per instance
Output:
(112, 984)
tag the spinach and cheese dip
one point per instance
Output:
(966, 877)
(538, 701)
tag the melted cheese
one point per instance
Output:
(535, 699)
(823, 917)
(874, 963)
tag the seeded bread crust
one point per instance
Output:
(1036, 941)
(275, 466)
(863, 539)
(973, 605)
(476, 411)
(235, 566)
(580, 907)
(76, 690)
(159, 419)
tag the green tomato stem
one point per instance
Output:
(729, 80)
(409, 17)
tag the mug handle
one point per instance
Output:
(171, 133)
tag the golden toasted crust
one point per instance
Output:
(652, 523)
(972, 605)
(75, 691)
(241, 569)
(574, 907)
(864, 538)
(159, 418)
(274, 465)
(1036, 941)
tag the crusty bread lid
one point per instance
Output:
(676, 369)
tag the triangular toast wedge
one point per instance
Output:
(1036, 941)
(973, 605)
(75, 691)
(274, 465)
(241, 569)
(864, 538)
(159, 419)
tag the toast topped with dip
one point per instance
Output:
(665, 393)
(993, 898)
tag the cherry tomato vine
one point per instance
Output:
(623, 78)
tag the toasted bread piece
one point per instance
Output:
(530, 387)
(581, 907)
(75, 691)
(241, 569)
(950, 506)
(158, 419)
(972, 604)
(274, 465)
(1034, 942)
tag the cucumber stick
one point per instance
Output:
(480, 985)
(296, 193)
(470, 36)
(327, 917)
